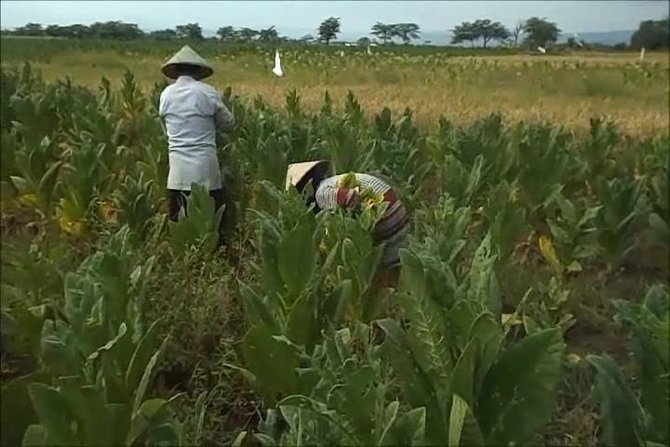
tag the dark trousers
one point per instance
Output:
(177, 202)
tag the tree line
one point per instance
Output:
(533, 32)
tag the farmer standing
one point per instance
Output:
(192, 112)
(328, 194)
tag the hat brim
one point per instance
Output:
(302, 181)
(172, 70)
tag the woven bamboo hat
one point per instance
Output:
(297, 172)
(187, 56)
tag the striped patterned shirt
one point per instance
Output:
(329, 196)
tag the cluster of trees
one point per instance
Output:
(101, 30)
(232, 34)
(405, 31)
(652, 34)
(533, 32)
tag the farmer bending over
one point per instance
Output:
(330, 192)
(192, 111)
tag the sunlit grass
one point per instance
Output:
(566, 89)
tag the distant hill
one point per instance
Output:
(605, 37)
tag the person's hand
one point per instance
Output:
(353, 201)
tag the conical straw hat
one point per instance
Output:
(186, 56)
(298, 171)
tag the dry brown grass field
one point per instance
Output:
(567, 88)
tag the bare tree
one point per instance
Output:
(516, 32)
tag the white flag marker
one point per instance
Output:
(369, 51)
(641, 54)
(541, 50)
(277, 68)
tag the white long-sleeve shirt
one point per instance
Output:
(192, 112)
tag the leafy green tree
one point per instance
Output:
(651, 34)
(382, 31)
(363, 42)
(246, 34)
(76, 31)
(268, 35)
(30, 29)
(190, 31)
(166, 34)
(487, 30)
(516, 33)
(539, 32)
(405, 31)
(329, 29)
(465, 32)
(484, 30)
(53, 31)
(115, 30)
(226, 33)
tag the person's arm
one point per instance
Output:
(161, 112)
(329, 196)
(223, 117)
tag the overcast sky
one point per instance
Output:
(357, 16)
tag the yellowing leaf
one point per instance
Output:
(29, 199)
(549, 253)
(108, 211)
(511, 319)
(349, 181)
(574, 266)
(573, 359)
(75, 228)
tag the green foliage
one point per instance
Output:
(456, 349)
(620, 199)
(651, 34)
(198, 223)
(483, 29)
(329, 29)
(540, 32)
(101, 294)
(627, 419)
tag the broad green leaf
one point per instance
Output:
(53, 413)
(301, 322)
(17, 411)
(35, 435)
(117, 420)
(335, 306)
(463, 374)
(489, 337)
(59, 348)
(144, 381)
(262, 353)
(297, 247)
(239, 439)
(619, 414)
(418, 385)
(256, 310)
(318, 409)
(141, 356)
(463, 427)
(123, 329)
(459, 409)
(518, 393)
(409, 428)
(390, 417)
